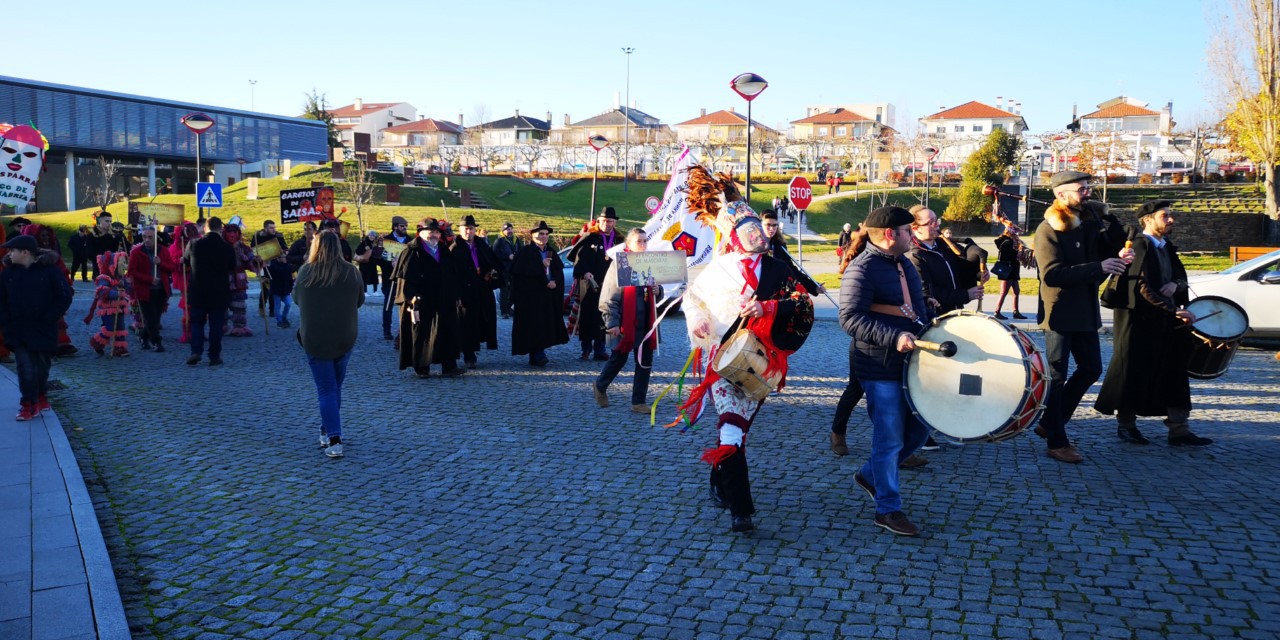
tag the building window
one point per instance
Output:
(977, 128)
(958, 128)
(997, 126)
(822, 131)
(840, 131)
(941, 129)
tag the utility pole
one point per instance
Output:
(626, 136)
(252, 85)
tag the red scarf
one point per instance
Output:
(629, 326)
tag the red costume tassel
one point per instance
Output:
(719, 454)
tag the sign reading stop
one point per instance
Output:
(800, 193)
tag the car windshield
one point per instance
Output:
(1254, 263)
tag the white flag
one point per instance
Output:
(673, 226)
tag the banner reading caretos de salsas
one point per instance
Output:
(302, 205)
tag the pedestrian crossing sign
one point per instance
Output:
(208, 194)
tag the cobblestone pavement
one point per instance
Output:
(505, 504)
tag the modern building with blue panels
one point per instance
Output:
(144, 137)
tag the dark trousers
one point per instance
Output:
(216, 318)
(848, 400)
(151, 311)
(1065, 392)
(33, 372)
(388, 310)
(617, 360)
(504, 296)
(730, 479)
(80, 265)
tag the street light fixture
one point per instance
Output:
(198, 123)
(749, 85)
(252, 85)
(626, 139)
(928, 172)
(597, 142)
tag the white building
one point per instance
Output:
(370, 118)
(958, 131)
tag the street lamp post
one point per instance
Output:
(198, 123)
(626, 136)
(252, 85)
(597, 142)
(749, 85)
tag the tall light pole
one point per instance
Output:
(597, 142)
(626, 136)
(749, 85)
(198, 123)
(252, 85)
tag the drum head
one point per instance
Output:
(979, 390)
(1230, 324)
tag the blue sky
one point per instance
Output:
(453, 57)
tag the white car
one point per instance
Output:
(1254, 285)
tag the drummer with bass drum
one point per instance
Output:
(1152, 341)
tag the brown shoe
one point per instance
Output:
(1066, 454)
(1040, 431)
(913, 461)
(898, 523)
(602, 398)
(838, 444)
(639, 408)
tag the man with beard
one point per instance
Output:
(478, 274)
(298, 251)
(104, 240)
(590, 263)
(537, 278)
(399, 236)
(778, 250)
(506, 247)
(150, 267)
(1148, 371)
(427, 292)
(1072, 246)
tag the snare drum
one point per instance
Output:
(1216, 337)
(741, 361)
(992, 389)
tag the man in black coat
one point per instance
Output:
(1075, 247)
(479, 273)
(298, 251)
(103, 240)
(590, 263)
(778, 250)
(939, 274)
(427, 292)
(1148, 371)
(212, 261)
(80, 253)
(537, 291)
(34, 295)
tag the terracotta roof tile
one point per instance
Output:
(721, 117)
(839, 116)
(973, 109)
(369, 107)
(1120, 111)
(425, 124)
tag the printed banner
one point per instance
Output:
(302, 205)
(392, 248)
(646, 268)
(22, 150)
(267, 251)
(161, 213)
(674, 226)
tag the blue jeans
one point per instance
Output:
(328, 376)
(33, 372)
(1065, 392)
(216, 318)
(895, 435)
(283, 304)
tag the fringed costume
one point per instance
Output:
(237, 313)
(110, 303)
(182, 275)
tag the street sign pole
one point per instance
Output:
(198, 123)
(800, 193)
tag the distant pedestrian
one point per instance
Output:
(506, 247)
(34, 294)
(149, 269)
(838, 180)
(212, 261)
(81, 251)
(281, 289)
(110, 303)
(330, 293)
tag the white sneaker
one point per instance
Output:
(334, 451)
(324, 439)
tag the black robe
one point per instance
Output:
(1148, 371)
(539, 311)
(433, 284)
(476, 285)
(588, 256)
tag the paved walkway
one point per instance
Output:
(56, 579)
(505, 504)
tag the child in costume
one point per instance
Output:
(182, 275)
(237, 317)
(110, 303)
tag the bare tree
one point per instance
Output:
(531, 151)
(560, 152)
(448, 156)
(1100, 155)
(358, 187)
(475, 135)
(1245, 58)
(104, 192)
(1198, 141)
(1059, 143)
(714, 150)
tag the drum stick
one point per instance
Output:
(1203, 317)
(945, 349)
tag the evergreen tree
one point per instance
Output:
(985, 166)
(317, 108)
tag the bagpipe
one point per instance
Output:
(1026, 256)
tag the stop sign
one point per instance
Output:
(800, 193)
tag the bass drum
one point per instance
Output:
(992, 389)
(1216, 336)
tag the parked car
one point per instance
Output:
(1254, 285)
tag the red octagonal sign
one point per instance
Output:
(800, 193)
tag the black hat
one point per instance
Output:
(608, 213)
(889, 218)
(330, 223)
(397, 221)
(508, 225)
(1067, 177)
(542, 226)
(769, 214)
(428, 224)
(469, 221)
(24, 242)
(1153, 206)
(18, 220)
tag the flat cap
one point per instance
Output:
(889, 218)
(1152, 206)
(1067, 177)
(398, 220)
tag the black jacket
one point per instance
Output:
(778, 250)
(872, 278)
(79, 245)
(32, 300)
(1070, 246)
(937, 277)
(212, 261)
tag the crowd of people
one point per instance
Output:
(899, 271)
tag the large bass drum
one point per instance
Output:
(1216, 334)
(992, 389)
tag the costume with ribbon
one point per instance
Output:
(237, 316)
(110, 304)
